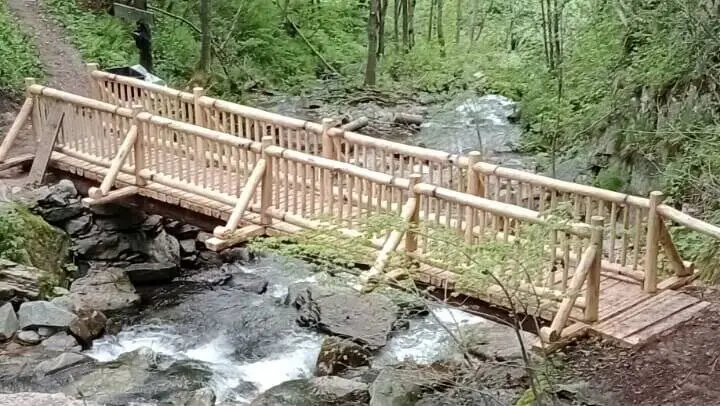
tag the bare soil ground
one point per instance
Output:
(62, 62)
(680, 368)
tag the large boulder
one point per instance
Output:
(493, 341)
(366, 319)
(27, 239)
(104, 290)
(89, 325)
(319, 391)
(405, 384)
(44, 314)
(338, 355)
(8, 322)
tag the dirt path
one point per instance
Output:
(62, 63)
(680, 368)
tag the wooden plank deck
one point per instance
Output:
(626, 314)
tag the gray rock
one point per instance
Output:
(152, 273)
(44, 314)
(129, 220)
(250, 283)
(60, 342)
(493, 341)
(79, 225)
(469, 396)
(164, 248)
(200, 397)
(41, 399)
(338, 355)
(89, 325)
(61, 362)
(182, 231)
(104, 290)
(188, 247)
(19, 282)
(319, 391)
(8, 322)
(29, 337)
(236, 254)
(209, 259)
(45, 331)
(65, 302)
(59, 291)
(152, 224)
(367, 319)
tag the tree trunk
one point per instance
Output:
(458, 20)
(405, 25)
(372, 47)
(430, 21)
(396, 25)
(440, 32)
(473, 19)
(381, 28)
(411, 23)
(205, 36)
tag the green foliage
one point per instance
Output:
(26, 238)
(612, 178)
(19, 56)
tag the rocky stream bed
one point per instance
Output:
(137, 312)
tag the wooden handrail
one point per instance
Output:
(561, 185)
(688, 221)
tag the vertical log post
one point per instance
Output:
(592, 289)
(267, 184)
(139, 147)
(328, 151)
(473, 188)
(411, 237)
(94, 88)
(200, 164)
(652, 243)
(35, 120)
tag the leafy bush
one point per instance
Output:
(19, 56)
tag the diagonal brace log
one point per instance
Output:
(15, 129)
(116, 164)
(243, 201)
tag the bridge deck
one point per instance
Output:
(626, 313)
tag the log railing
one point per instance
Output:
(279, 181)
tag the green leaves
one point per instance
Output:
(19, 59)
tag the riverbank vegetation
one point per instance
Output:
(628, 85)
(19, 56)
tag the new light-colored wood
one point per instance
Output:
(592, 288)
(688, 221)
(243, 201)
(652, 243)
(235, 237)
(17, 125)
(267, 182)
(45, 149)
(671, 253)
(411, 236)
(113, 197)
(117, 163)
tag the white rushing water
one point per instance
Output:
(424, 341)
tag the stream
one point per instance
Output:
(249, 342)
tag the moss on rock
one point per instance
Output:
(27, 239)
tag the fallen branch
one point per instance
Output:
(405, 118)
(356, 124)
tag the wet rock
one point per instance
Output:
(41, 399)
(104, 290)
(209, 259)
(61, 362)
(79, 225)
(8, 322)
(112, 326)
(89, 325)
(29, 337)
(164, 248)
(493, 341)
(250, 283)
(182, 231)
(367, 319)
(200, 397)
(152, 224)
(61, 342)
(44, 314)
(236, 254)
(117, 246)
(319, 391)
(213, 277)
(152, 273)
(130, 220)
(45, 331)
(469, 396)
(338, 355)
(202, 237)
(187, 247)
(60, 203)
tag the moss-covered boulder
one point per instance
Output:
(26, 239)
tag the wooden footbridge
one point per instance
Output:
(612, 269)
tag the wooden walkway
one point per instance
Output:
(237, 165)
(627, 314)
